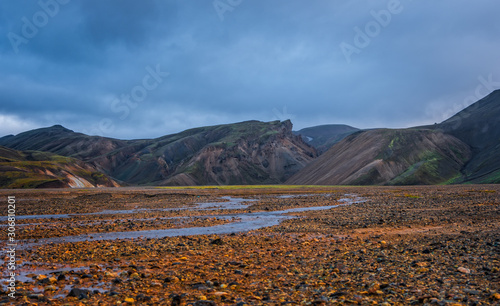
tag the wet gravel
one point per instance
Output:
(436, 245)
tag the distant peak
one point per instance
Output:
(59, 128)
(52, 129)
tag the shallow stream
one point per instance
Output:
(245, 222)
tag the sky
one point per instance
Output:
(143, 69)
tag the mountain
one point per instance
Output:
(388, 157)
(323, 137)
(462, 149)
(479, 126)
(32, 169)
(62, 141)
(250, 152)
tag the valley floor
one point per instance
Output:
(256, 246)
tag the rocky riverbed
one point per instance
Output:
(436, 245)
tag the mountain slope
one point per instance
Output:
(249, 152)
(388, 157)
(462, 149)
(479, 126)
(323, 137)
(59, 140)
(32, 169)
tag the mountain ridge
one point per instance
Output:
(259, 153)
(462, 149)
(388, 157)
(478, 125)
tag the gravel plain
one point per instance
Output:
(425, 245)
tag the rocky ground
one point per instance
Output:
(436, 245)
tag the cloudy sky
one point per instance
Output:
(142, 69)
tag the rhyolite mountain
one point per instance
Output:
(33, 169)
(249, 152)
(462, 149)
(323, 137)
(62, 141)
(479, 126)
(388, 157)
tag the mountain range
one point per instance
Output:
(462, 149)
(249, 152)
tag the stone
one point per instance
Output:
(129, 300)
(463, 270)
(81, 294)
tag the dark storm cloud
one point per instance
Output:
(89, 67)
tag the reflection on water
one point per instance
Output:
(247, 222)
(231, 203)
